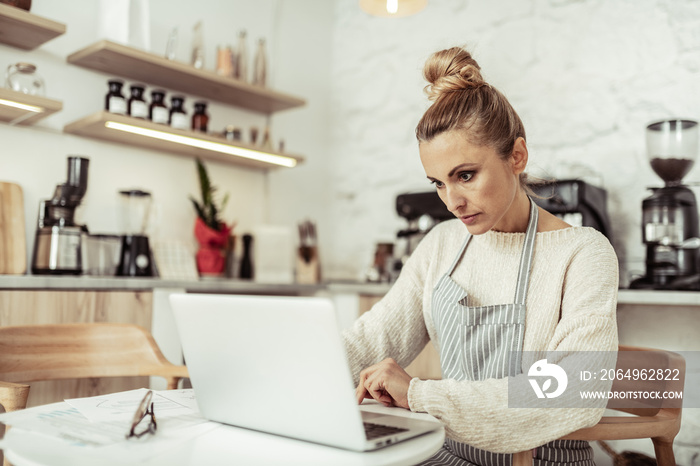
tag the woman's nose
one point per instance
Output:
(454, 201)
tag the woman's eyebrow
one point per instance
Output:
(461, 166)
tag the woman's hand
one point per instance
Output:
(385, 382)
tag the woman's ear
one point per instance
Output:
(519, 156)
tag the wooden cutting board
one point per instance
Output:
(13, 244)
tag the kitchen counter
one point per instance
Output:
(659, 297)
(224, 285)
(216, 285)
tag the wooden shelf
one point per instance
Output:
(22, 116)
(95, 126)
(121, 60)
(25, 30)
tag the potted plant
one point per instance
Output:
(211, 232)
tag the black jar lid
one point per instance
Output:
(137, 91)
(115, 85)
(134, 193)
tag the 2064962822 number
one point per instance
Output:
(639, 374)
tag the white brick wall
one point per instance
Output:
(585, 76)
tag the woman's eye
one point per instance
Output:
(466, 176)
(438, 184)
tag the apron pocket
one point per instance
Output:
(491, 350)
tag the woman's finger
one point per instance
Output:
(374, 385)
(361, 391)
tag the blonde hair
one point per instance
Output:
(462, 100)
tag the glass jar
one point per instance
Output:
(232, 133)
(672, 147)
(22, 77)
(158, 112)
(178, 116)
(114, 100)
(224, 61)
(200, 119)
(137, 106)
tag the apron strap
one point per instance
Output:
(459, 256)
(526, 255)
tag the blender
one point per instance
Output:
(135, 207)
(670, 214)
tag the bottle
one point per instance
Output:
(158, 112)
(246, 271)
(260, 67)
(171, 47)
(200, 119)
(266, 144)
(242, 57)
(253, 136)
(114, 100)
(136, 106)
(198, 47)
(178, 116)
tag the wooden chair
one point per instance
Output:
(77, 351)
(659, 420)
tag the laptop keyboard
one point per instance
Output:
(373, 431)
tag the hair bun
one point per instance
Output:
(451, 70)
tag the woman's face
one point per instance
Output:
(474, 182)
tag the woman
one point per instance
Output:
(516, 279)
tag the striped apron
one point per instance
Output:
(485, 342)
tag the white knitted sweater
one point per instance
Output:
(571, 304)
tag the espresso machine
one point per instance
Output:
(58, 242)
(136, 259)
(576, 202)
(670, 214)
(422, 210)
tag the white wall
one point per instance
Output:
(586, 76)
(299, 54)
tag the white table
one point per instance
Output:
(224, 445)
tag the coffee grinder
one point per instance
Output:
(670, 214)
(135, 258)
(59, 240)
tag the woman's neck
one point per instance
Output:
(516, 218)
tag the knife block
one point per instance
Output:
(308, 267)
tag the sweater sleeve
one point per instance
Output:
(477, 412)
(394, 327)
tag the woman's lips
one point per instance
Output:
(468, 219)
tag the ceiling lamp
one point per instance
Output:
(392, 8)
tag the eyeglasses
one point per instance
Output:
(144, 409)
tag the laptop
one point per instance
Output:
(277, 365)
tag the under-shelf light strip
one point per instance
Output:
(29, 108)
(202, 144)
